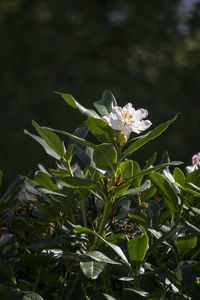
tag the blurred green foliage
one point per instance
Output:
(145, 52)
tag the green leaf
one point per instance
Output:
(150, 136)
(137, 190)
(139, 218)
(186, 243)
(46, 147)
(44, 179)
(148, 194)
(137, 248)
(46, 211)
(106, 104)
(126, 169)
(164, 187)
(69, 99)
(157, 243)
(101, 130)
(100, 257)
(76, 183)
(73, 137)
(92, 269)
(105, 157)
(190, 190)
(138, 291)
(52, 140)
(194, 177)
(179, 176)
(31, 296)
(108, 297)
(192, 227)
(150, 161)
(116, 248)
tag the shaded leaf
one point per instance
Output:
(105, 157)
(164, 187)
(106, 104)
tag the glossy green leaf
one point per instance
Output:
(126, 169)
(92, 269)
(150, 136)
(52, 140)
(137, 248)
(164, 187)
(101, 130)
(105, 157)
(179, 176)
(69, 99)
(106, 104)
(137, 190)
(138, 291)
(100, 257)
(108, 297)
(31, 296)
(186, 243)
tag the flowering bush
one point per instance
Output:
(107, 227)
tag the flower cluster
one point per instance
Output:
(127, 119)
(196, 159)
(195, 163)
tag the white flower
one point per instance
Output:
(127, 119)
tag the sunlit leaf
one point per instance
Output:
(150, 136)
(52, 140)
(92, 269)
(137, 248)
(99, 256)
(69, 99)
(186, 243)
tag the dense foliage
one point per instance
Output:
(105, 227)
(148, 50)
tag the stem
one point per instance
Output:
(83, 208)
(103, 223)
(180, 212)
(36, 281)
(70, 170)
(73, 286)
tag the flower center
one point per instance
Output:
(126, 118)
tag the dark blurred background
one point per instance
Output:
(144, 52)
